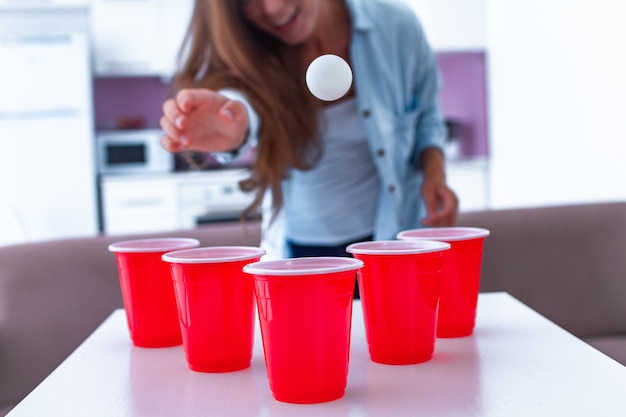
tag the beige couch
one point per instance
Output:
(54, 294)
(568, 263)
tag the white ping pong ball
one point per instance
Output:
(329, 77)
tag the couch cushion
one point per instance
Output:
(566, 262)
(54, 294)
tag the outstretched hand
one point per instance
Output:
(203, 120)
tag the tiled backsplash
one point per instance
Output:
(136, 101)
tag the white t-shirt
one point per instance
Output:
(336, 201)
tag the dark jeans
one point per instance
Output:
(302, 251)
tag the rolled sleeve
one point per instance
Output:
(430, 133)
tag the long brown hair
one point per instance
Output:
(222, 49)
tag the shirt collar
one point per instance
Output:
(360, 20)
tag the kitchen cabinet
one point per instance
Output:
(137, 205)
(171, 201)
(138, 37)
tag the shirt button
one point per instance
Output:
(367, 113)
(380, 152)
(392, 188)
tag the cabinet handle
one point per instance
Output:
(125, 66)
(145, 202)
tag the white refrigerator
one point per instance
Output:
(47, 162)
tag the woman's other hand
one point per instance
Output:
(203, 120)
(442, 204)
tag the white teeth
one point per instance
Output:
(285, 20)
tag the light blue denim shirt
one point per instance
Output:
(397, 84)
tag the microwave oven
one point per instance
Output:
(132, 152)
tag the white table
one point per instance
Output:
(517, 363)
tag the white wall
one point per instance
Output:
(557, 100)
(452, 25)
(557, 93)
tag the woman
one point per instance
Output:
(363, 167)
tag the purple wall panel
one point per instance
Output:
(464, 98)
(122, 101)
(136, 101)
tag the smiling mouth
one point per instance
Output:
(284, 22)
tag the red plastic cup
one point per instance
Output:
(147, 290)
(399, 286)
(461, 277)
(215, 305)
(305, 313)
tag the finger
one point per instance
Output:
(448, 211)
(171, 144)
(173, 132)
(433, 219)
(170, 109)
(173, 114)
(431, 204)
(184, 99)
(451, 206)
(445, 219)
(169, 127)
(427, 221)
(440, 208)
(188, 98)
